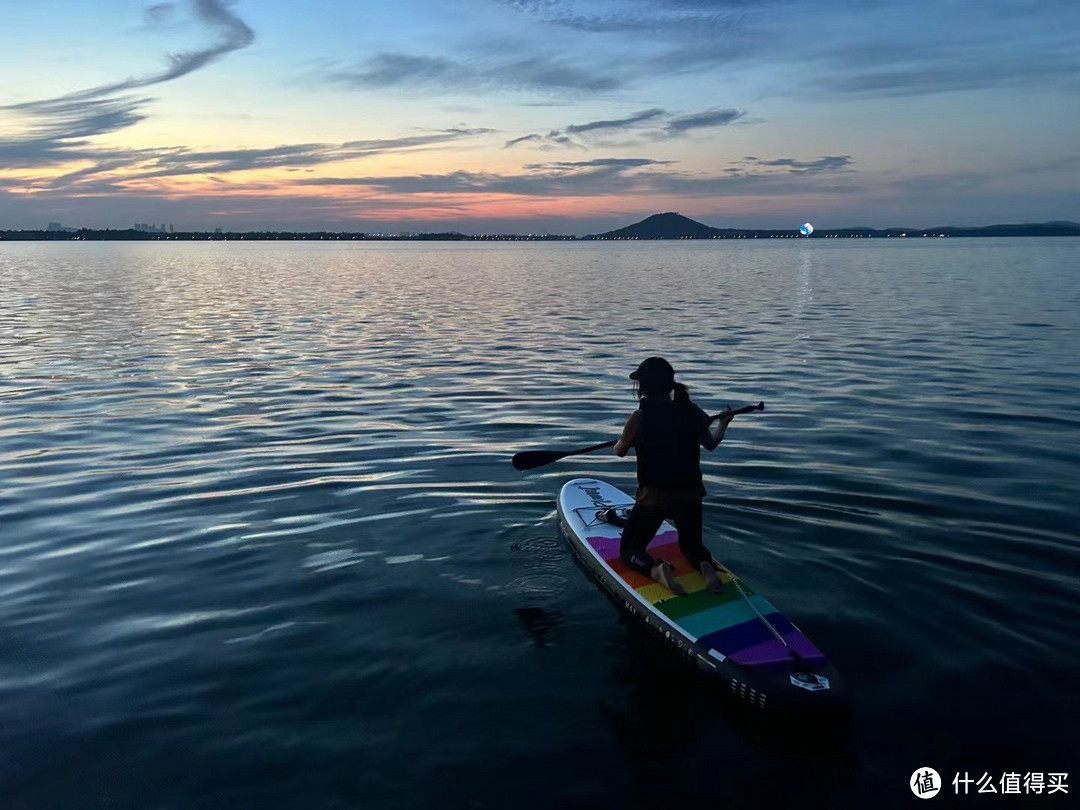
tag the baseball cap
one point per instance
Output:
(654, 370)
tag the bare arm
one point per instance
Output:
(629, 434)
(714, 434)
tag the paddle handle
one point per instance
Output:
(748, 409)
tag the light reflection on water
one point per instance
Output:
(259, 519)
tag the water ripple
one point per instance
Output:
(257, 506)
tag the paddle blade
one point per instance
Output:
(531, 459)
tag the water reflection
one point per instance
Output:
(258, 508)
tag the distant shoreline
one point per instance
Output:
(131, 235)
(108, 235)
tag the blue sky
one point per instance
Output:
(532, 115)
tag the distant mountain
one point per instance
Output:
(664, 226)
(676, 226)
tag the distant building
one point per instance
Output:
(55, 226)
(217, 230)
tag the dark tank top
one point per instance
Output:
(668, 444)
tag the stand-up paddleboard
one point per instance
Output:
(736, 637)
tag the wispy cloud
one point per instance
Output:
(699, 18)
(619, 177)
(827, 163)
(159, 13)
(557, 179)
(233, 34)
(532, 138)
(616, 123)
(62, 129)
(59, 129)
(836, 47)
(116, 170)
(651, 124)
(968, 68)
(435, 73)
(566, 179)
(703, 120)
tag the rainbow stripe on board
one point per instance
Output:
(723, 622)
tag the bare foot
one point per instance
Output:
(712, 579)
(663, 572)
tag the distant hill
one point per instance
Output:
(664, 226)
(675, 226)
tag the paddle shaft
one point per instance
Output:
(600, 446)
(531, 459)
(613, 442)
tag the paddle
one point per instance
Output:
(531, 459)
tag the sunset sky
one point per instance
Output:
(570, 116)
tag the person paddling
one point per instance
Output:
(668, 431)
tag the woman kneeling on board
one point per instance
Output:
(667, 435)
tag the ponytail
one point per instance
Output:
(682, 394)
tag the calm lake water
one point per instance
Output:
(262, 545)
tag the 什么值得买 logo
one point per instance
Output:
(925, 782)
